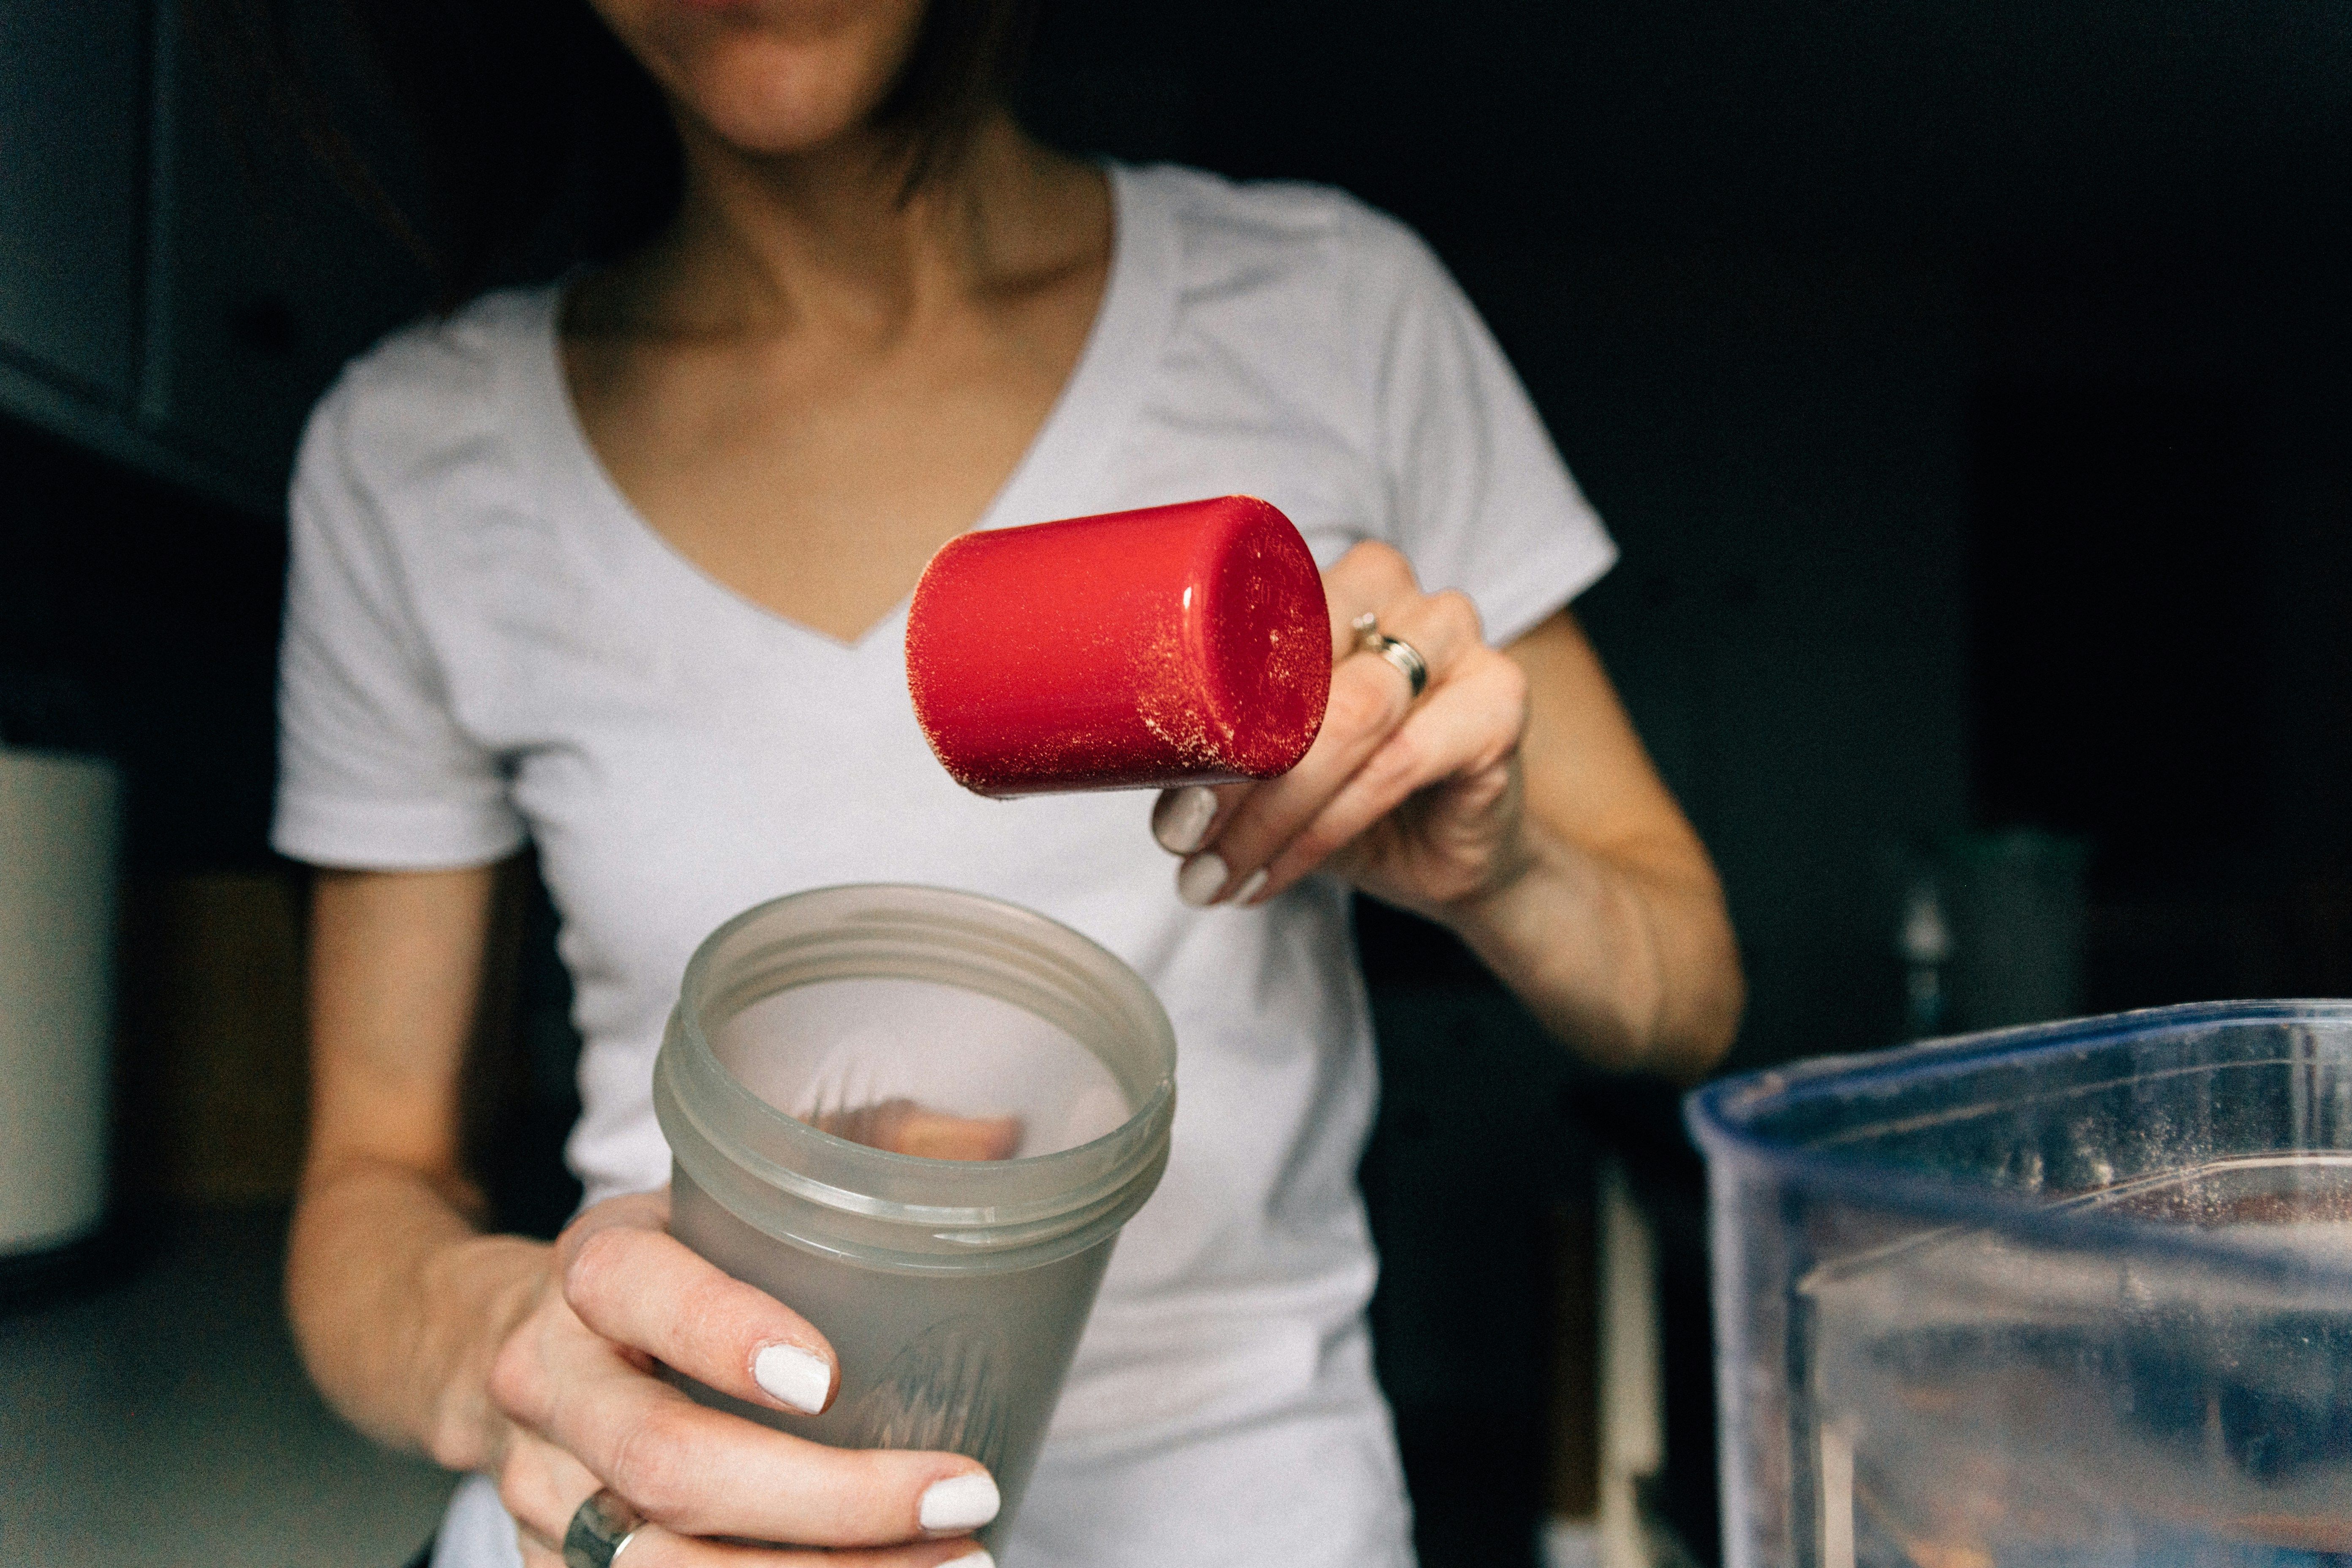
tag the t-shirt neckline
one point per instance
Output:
(1060, 467)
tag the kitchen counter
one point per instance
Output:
(164, 1420)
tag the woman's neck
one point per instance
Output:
(765, 244)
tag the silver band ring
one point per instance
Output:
(599, 1528)
(1396, 650)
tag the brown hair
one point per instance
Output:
(540, 140)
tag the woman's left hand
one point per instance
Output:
(1418, 801)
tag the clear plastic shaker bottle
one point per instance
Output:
(918, 1118)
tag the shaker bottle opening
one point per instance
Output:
(921, 1069)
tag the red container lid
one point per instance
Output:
(1185, 644)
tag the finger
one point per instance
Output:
(637, 1285)
(706, 1472)
(653, 1546)
(540, 1485)
(900, 1126)
(1442, 629)
(1464, 740)
(1370, 576)
(1369, 698)
(1185, 819)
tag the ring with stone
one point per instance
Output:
(1406, 657)
(599, 1528)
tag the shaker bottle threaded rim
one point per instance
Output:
(892, 1208)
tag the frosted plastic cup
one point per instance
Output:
(2073, 1296)
(953, 1290)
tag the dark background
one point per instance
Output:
(1966, 384)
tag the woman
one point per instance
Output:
(618, 568)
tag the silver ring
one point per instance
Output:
(599, 1528)
(1396, 650)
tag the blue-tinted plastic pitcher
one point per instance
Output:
(2076, 1296)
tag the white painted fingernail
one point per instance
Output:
(799, 1378)
(1250, 885)
(959, 1502)
(970, 1560)
(1199, 879)
(1181, 819)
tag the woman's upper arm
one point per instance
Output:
(396, 964)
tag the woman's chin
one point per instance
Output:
(786, 101)
(763, 79)
(763, 133)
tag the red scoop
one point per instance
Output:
(1185, 644)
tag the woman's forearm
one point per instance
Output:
(1627, 956)
(1608, 919)
(399, 1304)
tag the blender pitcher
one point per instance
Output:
(2073, 1296)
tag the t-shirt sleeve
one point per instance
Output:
(1481, 501)
(374, 772)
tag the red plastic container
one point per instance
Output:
(1185, 644)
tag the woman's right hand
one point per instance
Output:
(578, 1406)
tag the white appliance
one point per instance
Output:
(60, 830)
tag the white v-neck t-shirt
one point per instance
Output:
(483, 643)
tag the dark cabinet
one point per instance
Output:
(265, 278)
(174, 293)
(72, 84)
